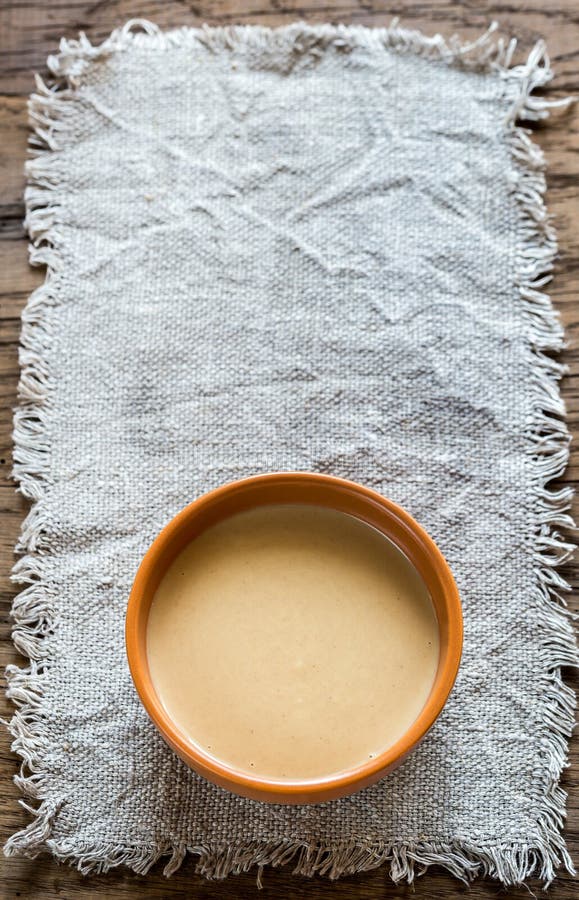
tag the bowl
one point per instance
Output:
(319, 490)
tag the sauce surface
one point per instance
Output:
(292, 642)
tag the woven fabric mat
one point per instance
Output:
(311, 248)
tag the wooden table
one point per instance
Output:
(29, 31)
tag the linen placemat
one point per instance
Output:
(316, 248)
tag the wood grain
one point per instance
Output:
(29, 31)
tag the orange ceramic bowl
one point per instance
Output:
(320, 490)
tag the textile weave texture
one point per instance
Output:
(312, 248)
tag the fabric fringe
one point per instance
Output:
(548, 442)
(33, 611)
(298, 40)
(548, 448)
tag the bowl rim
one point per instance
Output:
(260, 787)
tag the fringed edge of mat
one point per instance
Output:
(33, 611)
(548, 449)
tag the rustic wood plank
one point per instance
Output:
(29, 31)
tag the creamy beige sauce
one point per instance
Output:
(292, 642)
